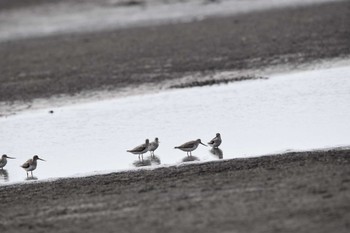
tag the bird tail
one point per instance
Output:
(176, 147)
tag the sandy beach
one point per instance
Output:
(293, 192)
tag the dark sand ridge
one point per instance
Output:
(69, 64)
(294, 192)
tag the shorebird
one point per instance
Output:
(153, 146)
(141, 149)
(215, 142)
(3, 160)
(30, 165)
(190, 146)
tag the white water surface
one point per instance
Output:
(296, 111)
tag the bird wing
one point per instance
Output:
(153, 145)
(188, 144)
(138, 148)
(213, 140)
(27, 164)
(2, 161)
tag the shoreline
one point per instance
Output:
(164, 166)
(187, 81)
(310, 185)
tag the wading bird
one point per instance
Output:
(3, 160)
(215, 142)
(190, 146)
(153, 146)
(141, 149)
(30, 165)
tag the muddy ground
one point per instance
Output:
(69, 64)
(296, 192)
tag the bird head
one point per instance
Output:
(7, 157)
(37, 158)
(199, 141)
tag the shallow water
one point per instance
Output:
(297, 111)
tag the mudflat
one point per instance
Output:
(111, 60)
(294, 192)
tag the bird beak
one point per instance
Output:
(42, 159)
(203, 144)
(10, 157)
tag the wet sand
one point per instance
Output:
(294, 192)
(112, 60)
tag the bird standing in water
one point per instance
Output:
(141, 149)
(215, 142)
(30, 165)
(3, 160)
(190, 146)
(153, 146)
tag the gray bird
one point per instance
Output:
(141, 149)
(153, 146)
(190, 146)
(215, 142)
(3, 160)
(30, 165)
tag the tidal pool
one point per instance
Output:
(294, 111)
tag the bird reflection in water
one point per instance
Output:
(31, 178)
(155, 160)
(217, 152)
(142, 163)
(4, 175)
(151, 160)
(190, 158)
